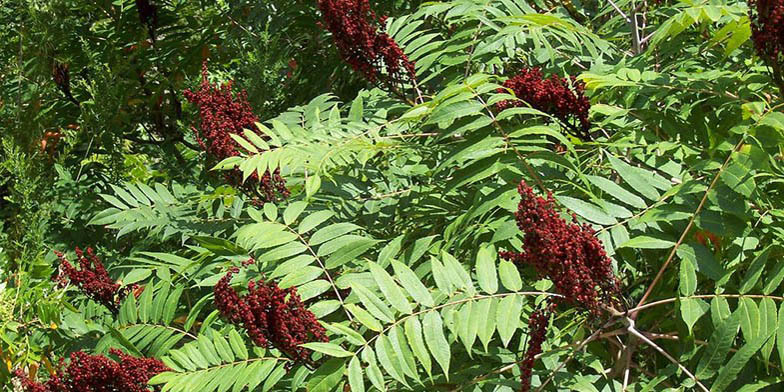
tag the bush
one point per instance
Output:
(343, 195)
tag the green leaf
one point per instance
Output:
(399, 345)
(692, 309)
(749, 319)
(364, 317)
(238, 345)
(486, 310)
(688, 281)
(312, 185)
(391, 290)
(433, 328)
(703, 258)
(646, 242)
(634, 177)
(739, 175)
(485, 270)
(352, 247)
(351, 335)
(617, 191)
(330, 349)
(389, 359)
(768, 322)
(254, 138)
(389, 251)
(412, 284)
(508, 317)
(313, 220)
(355, 378)
(780, 336)
(327, 376)
(731, 369)
(510, 277)
(413, 330)
(270, 211)
(755, 271)
(458, 276)
(244, 143)
(587, 210)
(719, 346)
(374, 305)
(293, 211)
(373, 372)
(332, 231)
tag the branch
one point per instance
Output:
(661, 350)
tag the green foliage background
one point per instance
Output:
(397, 212)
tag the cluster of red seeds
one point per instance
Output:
(273, 317)
(355, 29)
(97, 373)
(223, 113)
(564, 99)
(568, 254)
(92, 279)
(537, 331)
(61, 74)
(148, 15)
(767, 27)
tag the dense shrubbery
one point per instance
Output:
(336, 195)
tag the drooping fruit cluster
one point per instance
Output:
(767, 29)
(223, 113)
(148, 16)
(61, 74)
(97, 373)
(273, 317)
(559, 97)
(537, 331)
(92, 279)
(568, 254)
(356, 31)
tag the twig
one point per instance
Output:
(704, 296)
(661, 350)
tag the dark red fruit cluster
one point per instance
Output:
(559, 97)
(61, 74)
(537, 331)
(92, 279)
(148, 15)
(767, 27)
(97, 373)
(568, 254)
(355, 29)
(273, 317)
(223, 113)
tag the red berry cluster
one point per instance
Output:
(271, 315)
(560, 97)
(148, 15)
(568, 254)
(97, 373)
(61, 74)
(355, 29)
(92, 279)
(223, 113)
(767, 27)
(537, 330)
